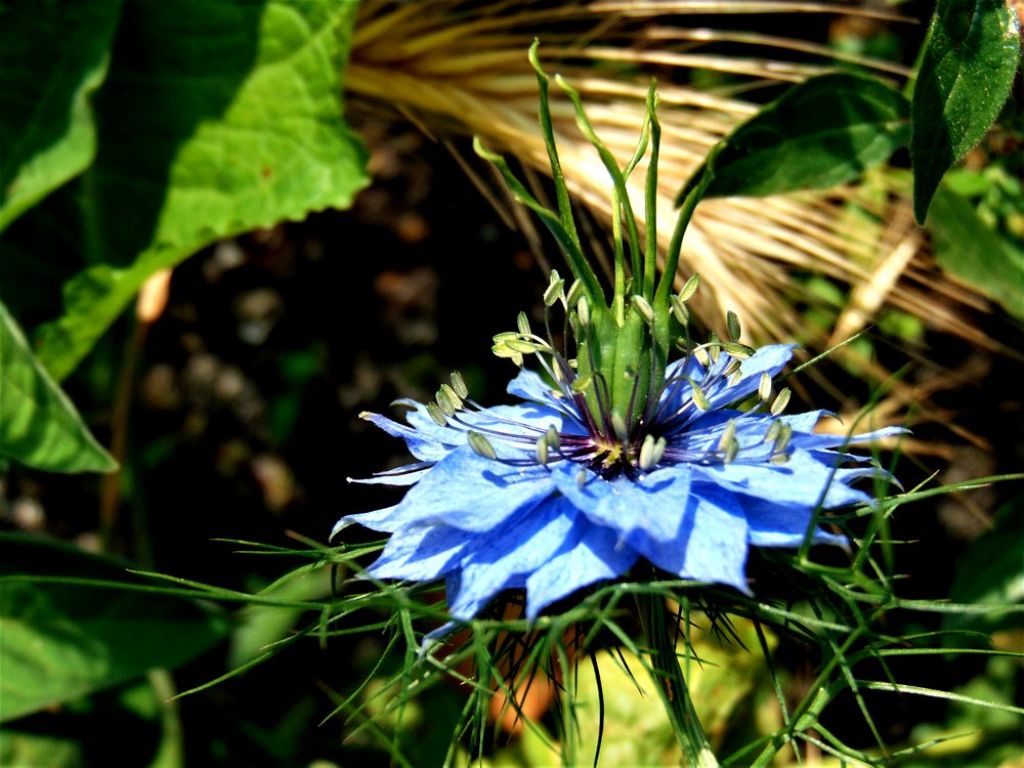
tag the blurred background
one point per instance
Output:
(236, 403)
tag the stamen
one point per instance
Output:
(781, 401)
(481, 445)
(728, 435)
(732, 367)
(555, 289)
(541, 451)
(764, 387)
(583, 311)
(619, 427)
(737, 350)
(733, 324)
(699, 398)
(731, 450)
(782, 441)
(573, 295)
(689, 288)
(459, 385)
(644, 308)
(682, 314)
(446, 396)
(651, 451)
(435, 412)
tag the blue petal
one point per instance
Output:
(410, 474)
(675, 402)
(530, 420)
(650, 509)
(525, 419)
(530, 386)
(697, 536)
(831, 440)
(469, 492)
(420, 420)
(506, 557)
(684, 368)
(778, 525)
(421, 554)
(803, 481)
(424, 445)
(712, 542)
(385, 520)
(770, 359)
(805, 422)
(597, 556)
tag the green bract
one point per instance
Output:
(623, 341)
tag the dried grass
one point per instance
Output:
(458, 67)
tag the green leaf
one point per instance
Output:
(53, 55)
(39, 426)
(216, 118)
(62, 641)
(970, 251)
(24, 749)
(965, 76)
(820, 133)
(991, 572)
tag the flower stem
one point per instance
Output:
(661, 642)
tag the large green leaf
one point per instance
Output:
(20, 749)
(53, 55)
(969, 250)
(39, 426)
(965, 76)
(61, 641)
(216, 118)
(820, 133)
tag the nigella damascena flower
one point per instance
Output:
(617, 456)
(552, 496)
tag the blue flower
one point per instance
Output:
(541, 497)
